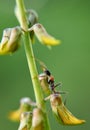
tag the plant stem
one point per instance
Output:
(31, 60)
(29, 53)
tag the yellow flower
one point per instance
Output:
(10, 41)
(63, 115)
(38, 122)
(44, 83)
(25, 121)
(43, 36)
(25, 106)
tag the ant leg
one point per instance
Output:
(58, 84)
(66, 94)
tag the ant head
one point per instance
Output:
(47, 72)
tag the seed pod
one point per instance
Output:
(25, 121)
(25, 106)
(11, 40)
(43, 36)
(44, 84)
(63, 115)
(38, 122)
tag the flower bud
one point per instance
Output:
(32, 17)
(44, 83)
(11, 40)
(25, 106)
(25, 121)
(38, 122)
(63, 115)
(43, 36)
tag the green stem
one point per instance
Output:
(29, 54)
(31, 60)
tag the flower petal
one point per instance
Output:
(48, 40)
(67, 117)
(63, 115)
(43, 36)
(15, 115)
(25, 106)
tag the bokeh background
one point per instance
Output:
(68, 20)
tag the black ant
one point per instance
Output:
(50, 80)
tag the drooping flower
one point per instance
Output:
(10, 40)
(38, 122)
(63, 115)
(25, 121)
(25, 106)
(43, 36)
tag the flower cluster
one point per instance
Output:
(11, 38)
(31, 117)
(63, 115)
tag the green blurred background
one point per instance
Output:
(68, 20)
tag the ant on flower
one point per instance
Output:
(50, 80)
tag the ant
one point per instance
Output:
(52, 84)
(50, 80)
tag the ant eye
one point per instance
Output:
(47, 72)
